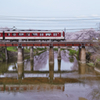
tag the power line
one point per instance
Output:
(27, 19)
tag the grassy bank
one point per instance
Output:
(26, 50)
(14, 49)
(2, 54)
(56, 49)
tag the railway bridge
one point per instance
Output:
(20, 45)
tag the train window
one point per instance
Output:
(8, 34)
(55, 34)
(21, 34)
(13, 34)
(48, 34)
(34, 34)
(41, 34)
(27, 34)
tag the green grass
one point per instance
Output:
(63, 49)
(12, 49)
(27, 50)
(55, 49)
(1, 59)
(98, 60)
(91, 64)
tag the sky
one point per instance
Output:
(50, 8)
(28, 14)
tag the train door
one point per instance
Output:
(61, 34)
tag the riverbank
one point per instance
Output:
(12, 52)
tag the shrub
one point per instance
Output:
(72, 52)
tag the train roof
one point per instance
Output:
(30, 31)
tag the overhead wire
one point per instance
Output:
(41, 22)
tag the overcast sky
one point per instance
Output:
(50, 8)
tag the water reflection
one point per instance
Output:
(71, 59)
(95, 94)
(51, 72)
(59, 65)
(32, 65)
(20, 70)
(39, 75)
(82, 68)
(41, 63)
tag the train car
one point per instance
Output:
(1, 35)
(34, 35)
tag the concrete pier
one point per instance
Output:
(31, 53)
(59, 53)
(83, 55)
(82, 68)
(59, 65)
(51, 72)
(23, 53)
(51, 64)
(6, 53)
(51, 55)
(79, 55)
(20, 55)
(32, 65)
(20, 70)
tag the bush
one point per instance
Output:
(72, 52)
(55, 49)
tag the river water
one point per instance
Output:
(35, 80)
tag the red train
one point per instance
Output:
(32, 35)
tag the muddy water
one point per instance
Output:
(37, 79)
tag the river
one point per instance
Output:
(36, 79)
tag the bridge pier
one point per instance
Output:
(59, 53)
(31, 53)
(20, 55)
(51, 72)
(82, 68)
(79, 55)
(32, 64)
(51, 64)
(23, 53)
(82, 54)
(20, 62)
(20, 70)
(51, 55)
(59, 64)
(6, 53)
